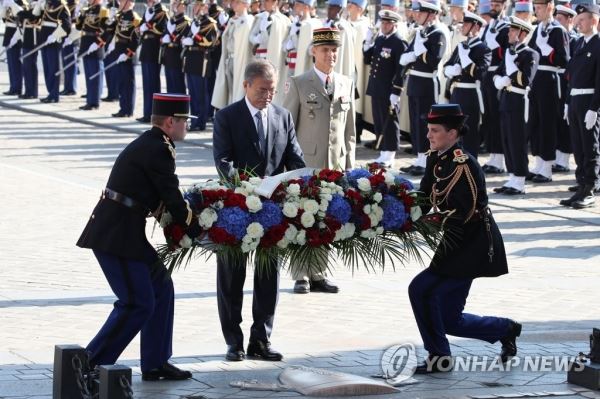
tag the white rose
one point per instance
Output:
(307, 219)
(367, 209)
(207, 217)
(364, 184)
(283, 243)
(325, 190)
(253, 203)
(291, 233)
(241, 190)
(379, 230)
(293, 189)
(349, 229)
(389, 178)
(416, 212)
(377, 197)
(246, 247)
(367, 233)
(324, 205)
(290, 209)
(185, 242)
(301, 237)
(311, 206)
(255, 181)
(255, 230)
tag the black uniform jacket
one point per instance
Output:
(145, 172)
(384, 58)
(468, 250)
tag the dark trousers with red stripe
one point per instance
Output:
(438, 302)
(145, 304)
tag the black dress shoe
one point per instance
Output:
(143, 120)
(560, 169)
(109, 99)
(68, 93)
(83, 96)
(371, 144)
(512, 191)
(26, 97)
(49, 100)
(529, 176)
(541, 179)
(323, 286)
(235, 353)
(167, 372)
(407, 169)
(302, 287)
(435, 364)
(121, 115)
(492, 170)
(263, 351)
(500, 189)
(88, 107)
(509, 343)
(417, 171)
(11, 93)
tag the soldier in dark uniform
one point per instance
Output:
(56, 24)
(583, 106)
(513, 78)
(216, 13)
(12, 43)
(421, 62)
(495, 37)
(456, 186)
(30, 18)
(126, 43)
(69, 50)
(465, 70)
(177, 28)
(92, 23)
(111, 75)
(384, 83)
(551, 41)
(198, 64)
(154, 23)
(142, 181)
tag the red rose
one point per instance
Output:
(377, 179)
(219, 235)
(313, 238)
(273, 235)
(234, 199)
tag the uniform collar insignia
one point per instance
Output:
(312, 96)
(459, 156)
(170, 146)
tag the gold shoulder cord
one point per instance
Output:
(438, 198)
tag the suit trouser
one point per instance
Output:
(514, 138)
(386, 123)
(30, 73)
(126, 86)
(92, 65)
(112, 76)
(15, 72)
(50, 60)
(490, 120)
(467, 99)
(69, 53)
(175, 80)
(585, 142)
(438, 303)
(145, 304)
(211, 88)
(199, 99)
(544, 116)
(230, 296)
(150, 84)
(419, 106)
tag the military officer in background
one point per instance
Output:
(296, 47)
(346, 64)
(551, 40)
(524, 10)
(152, 29)
(30, 24)
(178, 27)
(198, 63)
(495, 37)
(12, 42)
(142, 183)
(92, 24)
(565, 15)
(583, 106)
(421, 62)
(236, 53)
(269, 31)
(56, 25)
(465, 70)
(513, 78)
(111, 75)
(126, 43)
(321, 102)
(457, 12)
(385, 82)
(254, 7)
(69, 50)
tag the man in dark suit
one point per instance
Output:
(252, 134)
(141, 183)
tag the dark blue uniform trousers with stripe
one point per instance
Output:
(30, 73)
(92, 65)
(200, 102)
(150, 84)
(126, 86)
(145, 303)
(69, 53)
(50, 63)
(112, 76)
(438, 302)
(15, 73)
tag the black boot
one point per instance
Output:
(575, 197)
(587, 199)
(509, 342)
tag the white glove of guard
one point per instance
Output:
(15, 8)
(453, 70)
(171, 26)
(292, 42)
(223, 18)
(166, 39)
(501, 82)
(408, 58)
(149, 14)
(265, 21)
(566, 113)
(37, 8)
(111, 47)
(143, 28)
(122, 58)
(394, 98)
(419, 47)
(15, 38)
(93, 47)
(68, 41)
(509, 62)
(591, 117)
(111, 13)
(194, 28)
(463, 55)
(51, 39)
(187, 41)
(369, 37)
(491, 39)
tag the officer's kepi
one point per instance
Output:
(329, 36)
(387, 15)
(175, 105)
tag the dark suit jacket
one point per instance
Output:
(236, 146)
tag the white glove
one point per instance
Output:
(122, 58)
(68, 41)
(566, 113)
(195, 28)
(15, 39)
(166, 39)
(463, 55)
(171, 26)
(223, 18)
(93, 47)
(143, 28)
(591, 117)
(419, 47)
(541, 42)
(408, 58)
(292, 42)
(111, 13)
(15, 8)
(265, 22)
(369, 37)
(187, 41)
(149, 14)
(501, 82)
(509, 62)
(394, 99)
(453, 70)
(37, 8)
(2, 11)
(51, 39)
(111, 47)
(490, 39)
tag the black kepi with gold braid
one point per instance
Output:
(167, 104)
(330, 36)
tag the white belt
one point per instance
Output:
(49, 23)
(492, 68)
(580, 92)
(561, 71)
(556, 70)
(10, 24)
(477, 87)
(525, 94)
(430, 75)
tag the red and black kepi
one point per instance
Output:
(167, 104)
(443, 114)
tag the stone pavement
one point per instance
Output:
(53, 165)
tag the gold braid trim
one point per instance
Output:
(454, 178)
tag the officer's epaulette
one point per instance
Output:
(104, 13)
(459, 156)
(137, 20)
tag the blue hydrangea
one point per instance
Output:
(355, 174)
(402, 180)
(394, 214)
(339, 209)
(234, 220)
(270, 215)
